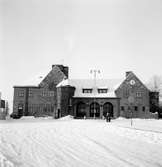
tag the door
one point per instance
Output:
(94, 110)
(81, 110)
(108, 107)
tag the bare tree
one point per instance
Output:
(155, 83)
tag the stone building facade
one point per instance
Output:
(3, 109)
(134, 97)
(58, 96)
(89, 100)
(39, 100)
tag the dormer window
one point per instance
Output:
(87, 90)
(102, 90)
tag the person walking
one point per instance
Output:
(108, 117)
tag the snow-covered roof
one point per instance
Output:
(81, 84)
(33, 79)
(102, 87)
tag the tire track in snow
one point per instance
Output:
(115, 155)
(140, 134)
(76, 143)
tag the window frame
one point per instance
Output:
(122, 108)
(139, 94)
(86, 90)
(143, 108)
(135, 108)
(21, 93)
(102, 90)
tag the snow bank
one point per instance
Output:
(27, 118)
(120, 118)
(68, 117)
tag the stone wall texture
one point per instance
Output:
(39, 100)
(133, 87)
(48, 100)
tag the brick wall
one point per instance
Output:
(133, 87)
(19, 99)
(64, 97)
(154, 101)
(55, 76)
(100, 101)
(41, 100)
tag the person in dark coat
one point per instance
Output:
(108, 117)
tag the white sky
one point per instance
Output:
(111, 35)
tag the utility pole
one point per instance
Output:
(94, 72)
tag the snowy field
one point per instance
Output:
(80, 143)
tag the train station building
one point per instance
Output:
(57, 95)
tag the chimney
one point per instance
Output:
(127, 73)
(58, 65)
(63, 68)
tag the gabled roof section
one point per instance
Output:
(81, 84)
(130, 75)
(55, 76)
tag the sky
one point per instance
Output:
(113, 36)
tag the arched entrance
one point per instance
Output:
(94, 110)
(108, 107)
(81, 110)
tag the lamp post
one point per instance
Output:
(94, 72)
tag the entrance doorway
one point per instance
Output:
(94, 110)
(108, 107)
(20, 110)
(81, 110)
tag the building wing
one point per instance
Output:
(101, 88)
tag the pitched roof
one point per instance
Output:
(80, 84)
(34, 79)
(130, 75)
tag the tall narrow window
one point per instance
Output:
(126, 93)
(30, 93)
(122, 108)
(135, 108)
(143, 108)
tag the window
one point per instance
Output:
(51, 93)
(102, 90)
(87, 90)
(21, 94)
(135, 108)
(43, 93)
(126, 93)
(143, 108)
(122, 108)
(30, 93)
(139, 94)
(48, 93)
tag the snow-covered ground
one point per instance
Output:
(80, 143)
